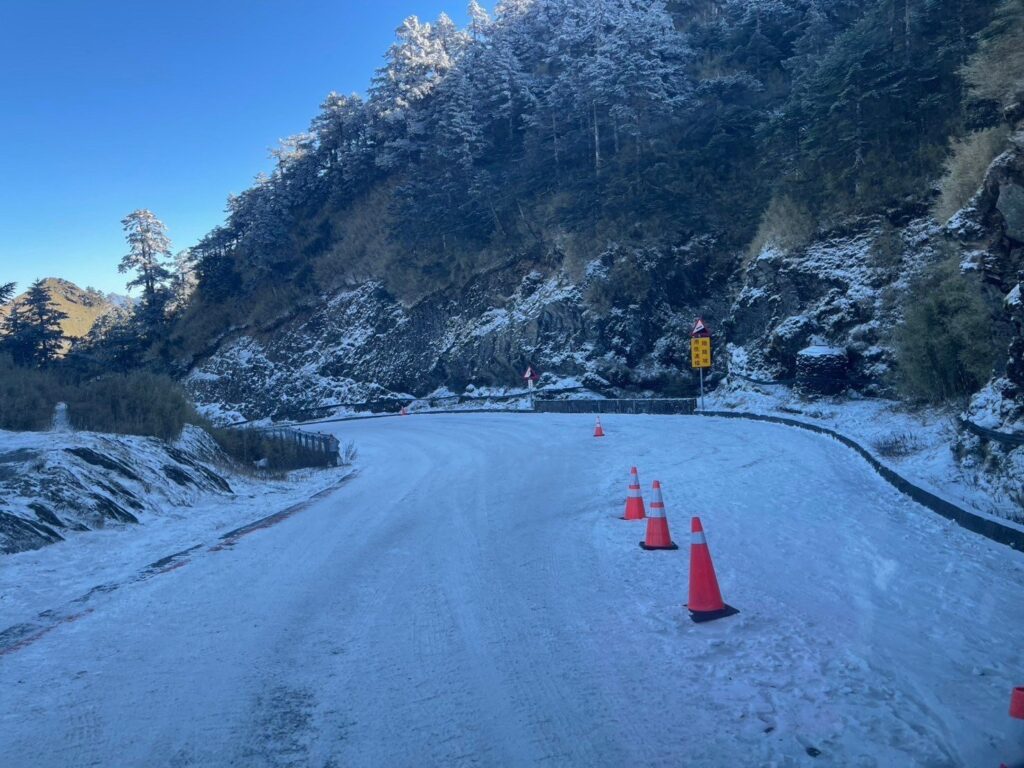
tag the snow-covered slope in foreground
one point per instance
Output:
(470, 598)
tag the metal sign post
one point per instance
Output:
(700, 352)
(530, 376)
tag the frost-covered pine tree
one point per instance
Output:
(297, 177)
(507, 87)
(479, 21)
(261, 218)
(183, 278)
(619, 67)
(344, 141)
(416, 65)
(148, 252)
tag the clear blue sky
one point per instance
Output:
(109, 105)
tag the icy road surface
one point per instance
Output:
(471, 598)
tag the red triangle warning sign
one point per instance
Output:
(700, 328)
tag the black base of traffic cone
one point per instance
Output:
(672, 545)
(699, 617)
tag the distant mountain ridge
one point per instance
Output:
(83, 306)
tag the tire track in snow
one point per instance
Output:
(22, 635)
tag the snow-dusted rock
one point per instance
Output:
(1011, 205)
(56, 483)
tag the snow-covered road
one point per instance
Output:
(471, 598)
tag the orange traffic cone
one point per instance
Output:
(598, 431)
(705, 602)
(1017, 703)
(657, 524)
(634, 500)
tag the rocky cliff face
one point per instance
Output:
(992, 226)
(991, 230)
(621, 324)
(844, 290)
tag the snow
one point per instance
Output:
(1013, 298)
(989, 407)
(750, 294)
(917, 444)
(822, 351)
(524, 307)
(596, 270)
(470, 598)
(219, 414)
(791, 326)
(71, 481)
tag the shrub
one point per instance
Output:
(130, 404)
(137, 403)
(965, 169)
(27, 397)
(897, 445)
(945, 348)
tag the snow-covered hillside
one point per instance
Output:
(56, 483)
(55, 486)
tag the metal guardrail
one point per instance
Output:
(1005, 438)
(327, 446)
(390, 405)
(678, 405)
(752, 380)
(988, 527)
(308, 440)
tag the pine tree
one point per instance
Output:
(16, 340)
(183, 279)
(217, 276)
(261, 221)
(32, 330)
(149, 249)
(345, 144)
(416, 65)
(479, 21)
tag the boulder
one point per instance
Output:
(821, 370)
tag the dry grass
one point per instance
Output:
(965, 169)
(785, 225)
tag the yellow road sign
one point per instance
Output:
(700, 353)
